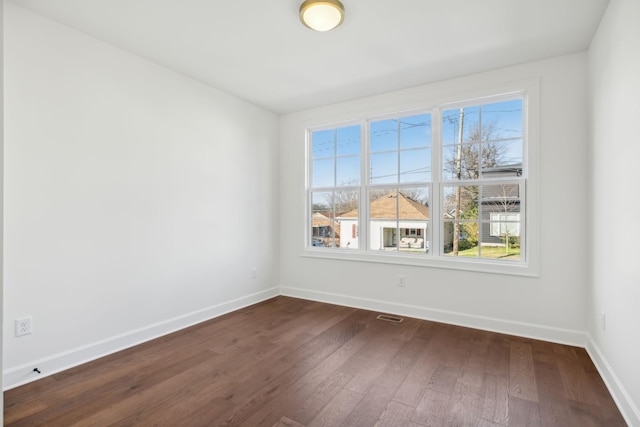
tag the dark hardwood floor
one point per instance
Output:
(291, 362)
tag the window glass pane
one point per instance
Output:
(383, 135)
(415, 131)
(471, 129)
(501, 198)
(461, 201)
(384, 168)
(460, 162)
(346, 207)
(461, 214)
(413, 219)
(501, 221)
(449, 128)
(324, 227)
(501, 208)
(322, 202)
(383, 204)
(502, 159)
(414, 204)
(415, 166)
(506, 245)
(466, 119)
(466, 245)
(383, 226)
(322, 143)
(348, 140)
(505, 118)
(321, 214)
(502, 225)
(323, 175)
(346, 203)
(348, 171)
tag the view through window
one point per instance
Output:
(453, 175)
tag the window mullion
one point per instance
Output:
(436, 213)
(335, 183)
(363, 216)
(398, 236)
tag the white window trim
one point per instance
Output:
(530, 213)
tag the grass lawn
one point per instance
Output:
(491, 252)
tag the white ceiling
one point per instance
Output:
(258, 49)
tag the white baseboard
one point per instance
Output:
(527, 330)
(629, 410)
(23, 374)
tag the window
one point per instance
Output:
(399, 182)
(482, 175)
(335, 186)
(442, 183)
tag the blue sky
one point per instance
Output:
(413, 146)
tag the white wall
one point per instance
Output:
(614, 84)
(551, 306)
(137, 201)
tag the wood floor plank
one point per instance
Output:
(554, 406)
(495, 399)
(287, 422)
(327, 391)
(337, 410)
(407, 356)
(465, 404)
(524, 413)
(556, 414)
(376, 362)
(305, 387)
(415, 384)
(498, 356)
(288, 362)
(486, 423)
(444, 379)
(433, 409)
(522, 380)
(370, 408)
(395, 415)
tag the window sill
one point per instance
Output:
(475, 265)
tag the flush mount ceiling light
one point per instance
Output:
(321, 15)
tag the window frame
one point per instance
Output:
(529, 90)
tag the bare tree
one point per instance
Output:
(344, 201)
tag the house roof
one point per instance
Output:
(392, 204)
(320, 220)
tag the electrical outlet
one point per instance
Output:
(401, 281)
(603, 321)
(23, 326)
(254, 273)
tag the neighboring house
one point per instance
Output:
(501, 206)
(396, 221)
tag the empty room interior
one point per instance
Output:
(206, 206)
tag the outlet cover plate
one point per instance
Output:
(23, 326)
